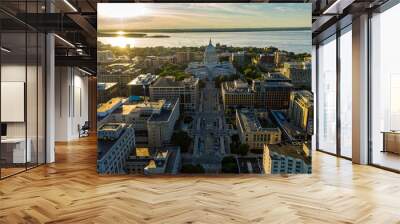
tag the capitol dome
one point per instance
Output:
(210, 54)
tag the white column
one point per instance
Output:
(360, 90)
(50, 100)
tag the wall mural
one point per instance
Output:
(203, 88)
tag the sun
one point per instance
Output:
(122, 41)
(122, 11)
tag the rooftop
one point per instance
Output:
(169, 81)
(294, 151)
(275, 76)
(103, 146)
(165, 112)
(253, 121)
(305, 93)
(292, 132)
(105, 85)
(142, 152)
(104, 107)
(233, 86)
(110, 127)
(143, 79)
(277, 85)
(137, 106)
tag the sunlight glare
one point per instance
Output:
(122, 41)
(123, 11)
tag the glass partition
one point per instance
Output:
(13, 94)
(22, 77)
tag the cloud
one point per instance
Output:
(204, 15)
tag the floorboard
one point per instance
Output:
(70, 191)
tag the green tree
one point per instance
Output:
(181, 139)
(243, 149)
(187, 119)
(229, 165)
(189, 168)
(174, 70)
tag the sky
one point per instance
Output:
(136, 16)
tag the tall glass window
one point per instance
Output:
(326, 77)
(346, 92)
(385, 89)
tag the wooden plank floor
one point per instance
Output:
(70, 191)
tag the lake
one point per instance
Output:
(297, 41)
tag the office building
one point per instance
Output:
(290, 159)
(255, 129)
(241, 58)
(237, 94)
(116, 142)
(139, 86)
(261, 94)
(301, 110)
(298, 72)
(154, 161)
(153, 121)
(186, 90)
(274, 95)
(106, 91)
(265, 61)
(184, 57)
(121, 73)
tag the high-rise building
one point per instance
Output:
(183, 57)
(274, 95)
(298, 72)
(153, 121)
(121, 73)
(255, 129)
(106, 91)
(286, 159)
(241, 58)
(237, 94)
(301, 110)
(186, 90)
(115, 142)
(261, 94)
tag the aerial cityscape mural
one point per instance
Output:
(204, 88)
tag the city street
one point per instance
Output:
(209, 130)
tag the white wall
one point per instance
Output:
(33, 126)
(13, 73)
(71, 102)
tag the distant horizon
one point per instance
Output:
(161, 16)
(238, 29)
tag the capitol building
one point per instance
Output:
(210, 67)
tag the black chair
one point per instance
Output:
(84, 130)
